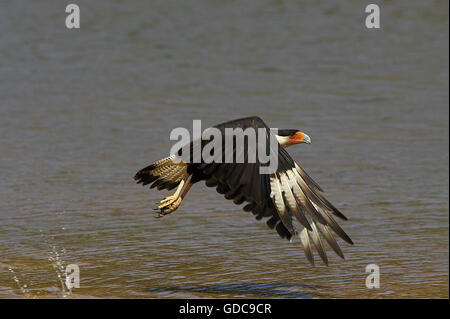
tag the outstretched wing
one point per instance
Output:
(304, 211)
(292, 200)
(164, 174)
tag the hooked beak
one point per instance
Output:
(306, 139)
(300, 137)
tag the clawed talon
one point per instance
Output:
(169, 198)
(168, 201)
(171, 203)
(168, 207)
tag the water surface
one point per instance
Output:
(82, 110)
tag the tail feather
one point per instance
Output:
(145, 175)
(164, 174)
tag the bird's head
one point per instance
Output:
(290, 137)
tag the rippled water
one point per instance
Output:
(82, 110)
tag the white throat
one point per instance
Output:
(284, 141)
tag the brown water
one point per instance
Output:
(82, 110)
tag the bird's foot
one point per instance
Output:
(169, 208)
(168, 201)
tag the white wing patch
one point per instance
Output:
(277, 197)
(298, 205)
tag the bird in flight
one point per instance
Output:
(289, 198)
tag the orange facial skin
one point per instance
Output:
(297, 138)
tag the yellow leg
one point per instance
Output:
(187, 188)
(170, 199)
(175, 204)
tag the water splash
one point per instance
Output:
(58, 265)
(23, 287)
